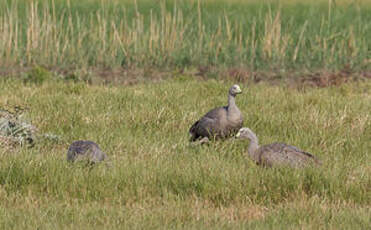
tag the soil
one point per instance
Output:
(131, 76)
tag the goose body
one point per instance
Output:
(219, 122)
(85, 150)
(276, 154)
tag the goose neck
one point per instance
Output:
(231, 100)
(253, 147)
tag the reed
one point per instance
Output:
(182, 34)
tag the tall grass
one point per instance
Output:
(179, 34)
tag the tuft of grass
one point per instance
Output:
(37, 75)
(158, 180)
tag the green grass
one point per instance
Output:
(157, 180)
(182, 34)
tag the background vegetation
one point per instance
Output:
(184, 34)
(154, 178)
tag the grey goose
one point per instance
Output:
(221, 122)
(85, 150)
(276, 154)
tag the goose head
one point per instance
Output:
(234, 90)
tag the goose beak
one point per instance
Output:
(238, 90)
(238, 134)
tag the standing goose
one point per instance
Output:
(85, 150)
(220, 122)
(276, 154)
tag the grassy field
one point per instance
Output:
(171, 35)
(158, 180)
(51, 53)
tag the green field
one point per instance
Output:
(158, 180)
(57, 59)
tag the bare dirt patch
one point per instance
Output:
(326, 79)
(132, 76)
(319, 79)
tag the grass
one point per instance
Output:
(286, 35)
(157, 180)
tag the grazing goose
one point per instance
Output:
(85, 150)
(276, 154)
(220, 122)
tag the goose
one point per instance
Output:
(276, 154)
(221, 122)
(85, 150)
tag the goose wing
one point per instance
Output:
(209, 125)
(280, 154)
(79, 150)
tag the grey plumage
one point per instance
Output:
(276, 154)
(220, 122)
(85, 150)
